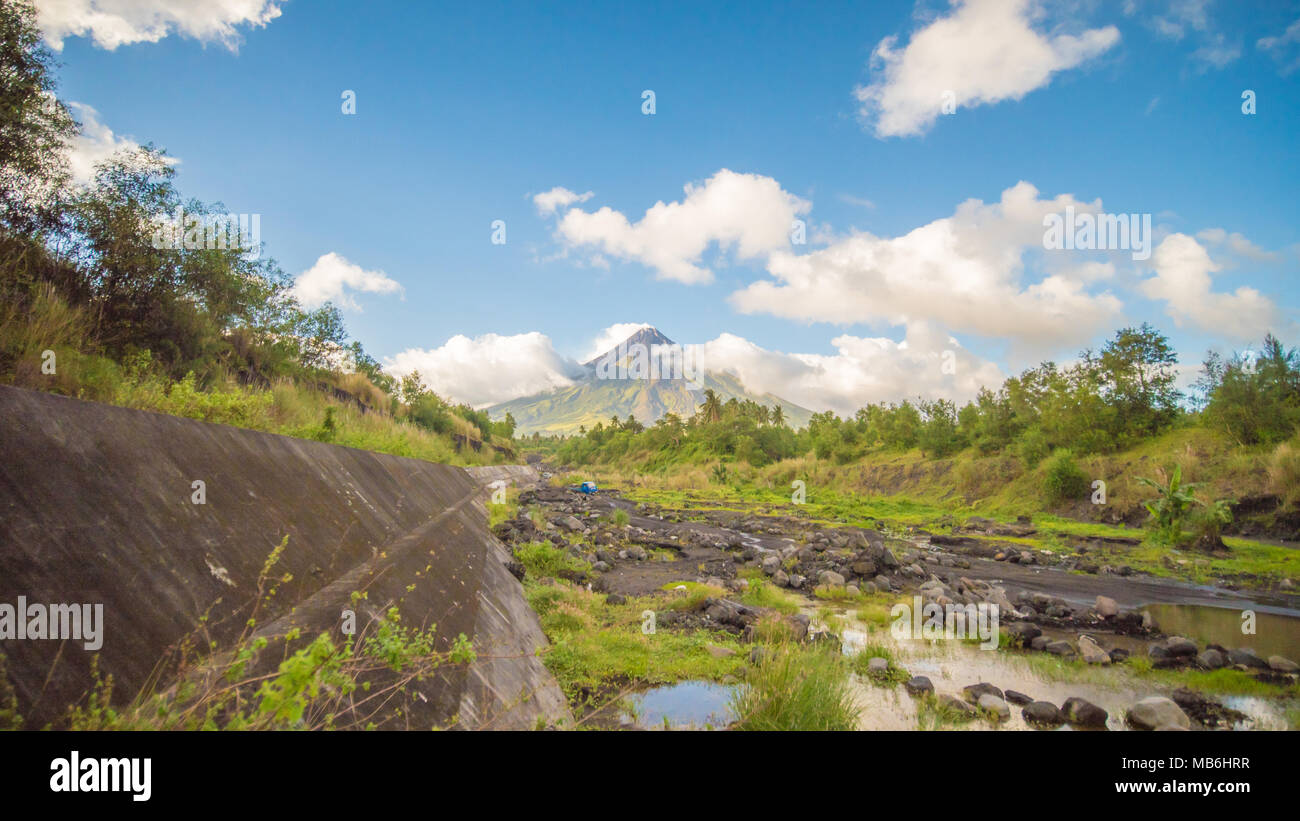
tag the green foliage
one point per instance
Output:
(1169, 509)
(541, 559)
(797, 687)
(1254, 399)
(1063, 481)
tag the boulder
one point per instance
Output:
(1247, 657)
(1017, 698)
(1106, 607)
(830, 578)
(1158, 713)
(1212, 659)
(1091, 652)
(1044, 713)
(1083, 713)
(918, 686)
(994, 706)
(1283, 665)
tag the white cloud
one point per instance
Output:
(963, 272)
(984, 52)
(1236, 243)
(747, 212)
(1283, 48)
(1183, 280)
(548, 202)
(1180, 16)
(332, 276)
(94, 144)
(612, 336)
(862, 371)
(487, 369)
(114, 23)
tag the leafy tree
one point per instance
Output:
(34, 125)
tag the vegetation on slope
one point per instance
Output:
(94, 305)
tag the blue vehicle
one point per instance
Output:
(587, 487)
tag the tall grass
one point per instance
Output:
(797, 687)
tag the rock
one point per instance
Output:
(771, 564)
(1212, 659)
(1283, 665)
(1158, 713)
(720, 652)
(1247, 657)
(601, 567)
(994, 706)
(1022, 632)
(1106, 607)
(757, 655)
(1172, 647)
(571, 524)
(1040, 642)
(877, 666)
(799, 625)
(882, 584)
(830, 578)
(780, 579)
(1118, 655)
(1091, 652)
(1044, 713)
(615, 598)
(852, 590)
(637, 553)
(797, 581)
(1059, 648)
(972, 692)
(918, 686)
(954, 703)
(1083, 713)
(1017, 697)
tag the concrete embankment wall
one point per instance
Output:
(98, 505)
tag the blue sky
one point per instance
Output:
(465, 112)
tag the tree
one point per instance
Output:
(1136, 372)
(34, 125)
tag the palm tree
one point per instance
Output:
(778, 416)
(712, 407)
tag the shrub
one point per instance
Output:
(1032, 447)
(1063, 481)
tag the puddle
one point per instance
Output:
(952, 665)
(1274, 634)
(687, 705)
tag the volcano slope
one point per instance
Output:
(169, 522)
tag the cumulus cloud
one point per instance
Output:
(1191, 18)
(548, 202)
(984, 52)
(94, 144)
(1284, 48)
(864, 370)
(1236, 243)
(745, 212)
(488, 369)
(113, 23)
(963, 272)
(1183, 281)
(331, 279)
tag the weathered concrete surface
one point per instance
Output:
(96, 506)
